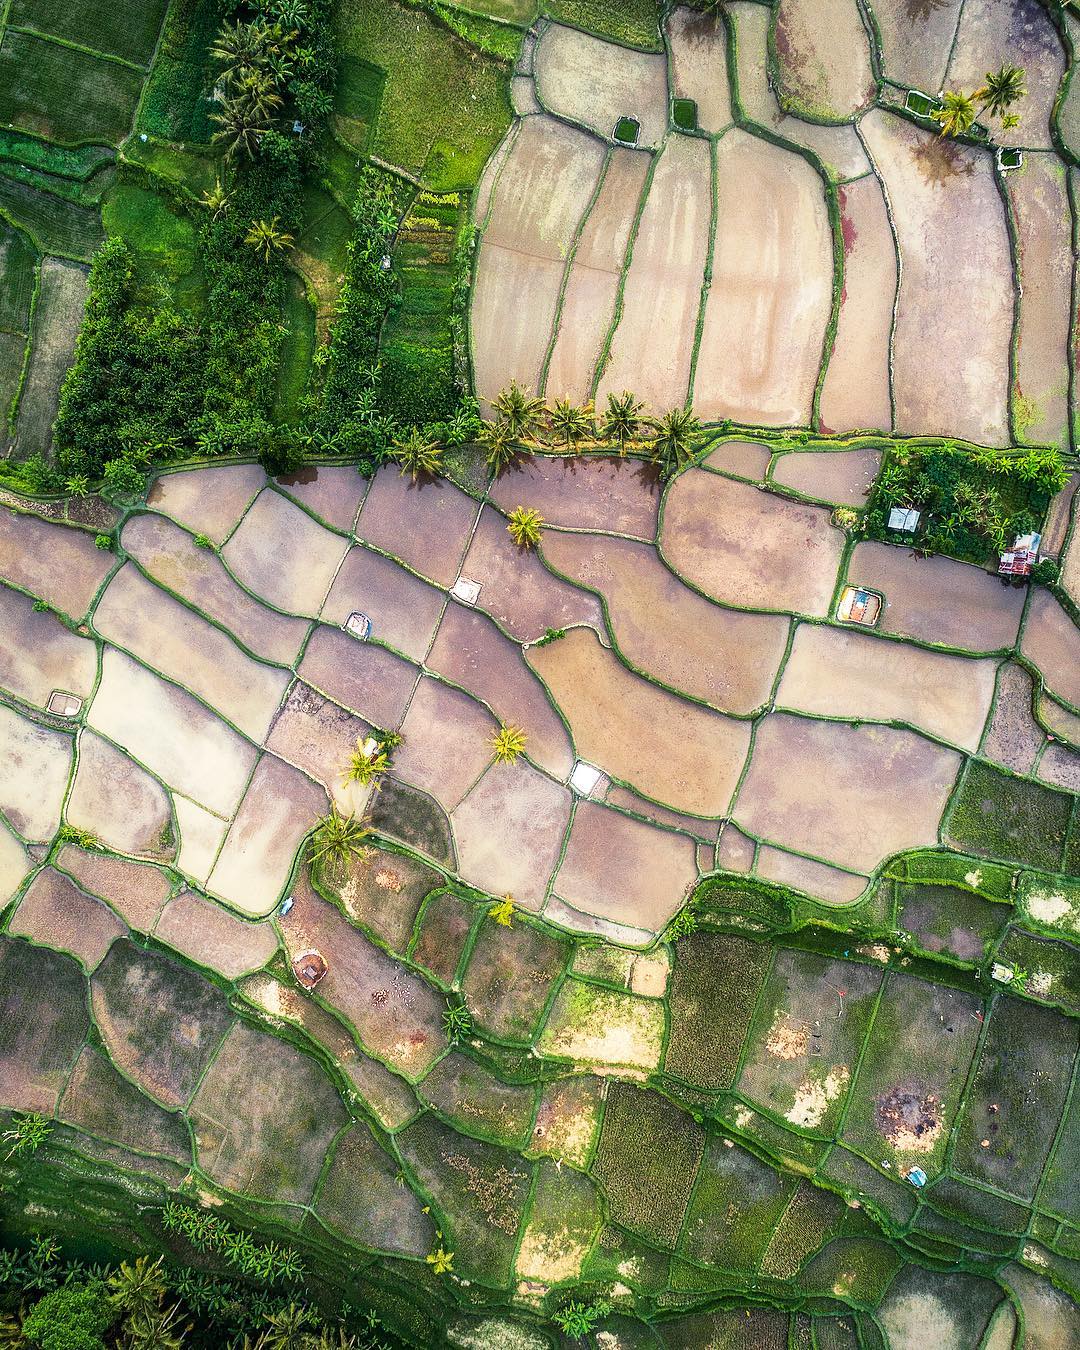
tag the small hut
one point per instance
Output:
(309, 968)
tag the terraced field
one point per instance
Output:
(599, 938)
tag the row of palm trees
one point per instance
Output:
(1001, 90)
(524, 423)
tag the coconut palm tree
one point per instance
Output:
(241, 128)
(367, 763)
(569, 423)
(417, 455)
(137, 1289)
(508, 743)
(287, 1329)
(525, 524)
(337, 838)
(1002, 89)
(957, 113)
(216, 200)
(500, 450)
(239, 47)
(522, 413)
(257, 94)
(673, 440)
(622, 421)
(265, 238)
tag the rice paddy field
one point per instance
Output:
(609, 939)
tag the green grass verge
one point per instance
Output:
(1005, 817)
(296, 352)
(635, 23)
(175, 105)
(162, 241)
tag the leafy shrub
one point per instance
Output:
(74, 1317)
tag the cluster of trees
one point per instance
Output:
(973, 500)
(1002, 89)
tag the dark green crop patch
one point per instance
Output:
(1001, 816)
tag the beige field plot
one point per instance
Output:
(58, 311)
(653, 345)
(35, 764)
(1061, 767)
(279, 808)
(14, 864)
(938, 599)
(856, 391)
(592, 284)
(472, 652)
(771, 292)
(486, 187)
(517, 590)
(361, 675)
(836, 672)
(509, 832)
(523, 96)
(697, 49)
(447, 742)
(619, 496)
(53, 562)
(916, 39)
(750, 548)
(744, 459)
(118, 801)
(837, 147)
(587, 80)
(331, 492)
(951, 295)
(169, 731)
(54, 912)
(282, 555)
(316, 735)
(542, 193)
(208, 501)
(621, 869)
(625, 800)
(823, 56)
(197, 575)
(201, 835)
(1051, 641)
(824, 883)
(614, 715)
(440, 516)
(404, 611)
(851, 795)
(136, 891)
(38, 654)
(1056, 526)
(990, 35)
(726, 657)
(397, 1015)
(1013, 737)
(213, 937)
(735, 852)
(1051, 1318)
(167, 636)
(1064, 724)
(841, 476)
(1040, 204)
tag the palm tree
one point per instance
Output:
(78, 485)
(957, 113)
(216, 200)
(239, 47)
(508, 744)
(417, 455)
(522, 413)
(137, 1290)
(256, 93)
(1002, 89)
(525, 524)
(337, 838)
(367, 763)
(622, 421)
(239, 126)
(265, 238)
(499, 448)
(287, 1329)
(569, 423)
(290, 13)
(673, 443)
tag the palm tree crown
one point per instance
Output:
(957, 113)
(1002, 89)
